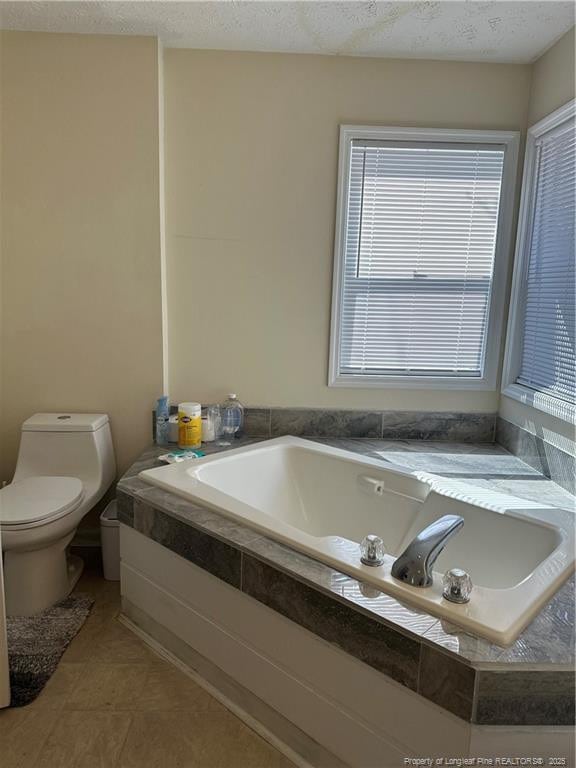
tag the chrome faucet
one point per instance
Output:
(414, 566)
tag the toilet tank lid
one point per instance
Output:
(65, 422)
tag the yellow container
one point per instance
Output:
(189, 425)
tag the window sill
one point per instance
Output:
(411, 382)
(541, 402)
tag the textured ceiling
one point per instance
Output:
(467, 30)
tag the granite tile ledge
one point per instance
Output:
(552, 462)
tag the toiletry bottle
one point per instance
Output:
(214, 417)
(189, 425)
(173, 428)
(208, 432)
(232, 418)
(162, 421)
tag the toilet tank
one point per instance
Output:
(72, 444)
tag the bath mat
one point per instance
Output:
(36, 645)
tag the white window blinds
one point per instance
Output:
(419, 245)
(548, 356)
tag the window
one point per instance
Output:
(540, 363)
(420, 260)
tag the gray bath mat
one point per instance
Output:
(36, 645)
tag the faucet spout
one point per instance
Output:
(414, 566)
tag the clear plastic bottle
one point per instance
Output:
(232, 419)
(214, 420)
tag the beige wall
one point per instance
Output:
(251, 167)
(552, 86)
(552, 79)
(81, 310)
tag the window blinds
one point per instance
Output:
(548, 356)
(421, 225)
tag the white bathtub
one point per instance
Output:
(323, 501)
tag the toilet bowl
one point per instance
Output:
(65, 465)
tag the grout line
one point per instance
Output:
(419, 669)
(57, 718)
(475, 696)
(118, 760)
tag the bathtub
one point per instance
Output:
(323, 501)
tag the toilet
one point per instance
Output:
(65, 465)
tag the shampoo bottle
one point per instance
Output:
(162, 421)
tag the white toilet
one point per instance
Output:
(65, 465)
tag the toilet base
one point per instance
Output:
(75, 568)
(37, 579)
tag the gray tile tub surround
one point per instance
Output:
(316, 422)
(447, 682)
(392, 425)
(212, 554)
(539, 454)
(257, 422)
(525, 698)
(417, 425)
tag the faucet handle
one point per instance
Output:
(457, 586)
(372, 550)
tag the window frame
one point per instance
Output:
(541, 401)
(510, 140)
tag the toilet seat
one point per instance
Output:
(38, 500)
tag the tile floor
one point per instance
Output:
(113, 703)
